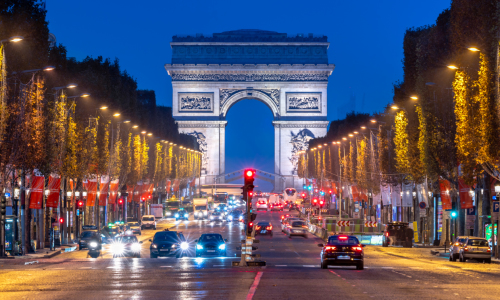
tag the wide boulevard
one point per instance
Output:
(292, 272)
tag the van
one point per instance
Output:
(148, 221)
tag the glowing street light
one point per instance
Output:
(452, 67)
(126, 121)
(351, 135)
(143, 132)
(103, 107)
(414, 97)
(373, 121)
(135, 126)
(16, 39)
(71, 86)
(473, 49)
(116, 114)
(394, 107)
(363, 127)
(150, 134)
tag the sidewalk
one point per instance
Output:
(441, 253)
(46, 253)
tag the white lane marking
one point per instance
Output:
(254, 286)
(387, 268)
(165, 266)
(86, 268)
(219, 265)
(281, 265)
(310, 266)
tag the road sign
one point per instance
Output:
(343, 223)
(471, 211)
(496, 210)
(422, 205)
(370, 224)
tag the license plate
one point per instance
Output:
(210, 250)
(343, 257)
(164, 250)
(264, 231)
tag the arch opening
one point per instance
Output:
(268, 100)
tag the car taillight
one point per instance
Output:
(269, 227)
(330, 248)
(282, 217)
(258, 227)
(466, 249)
(489, 250)
(304, 226)
(387, 234)
(342, 237)
(457, 244)
(357, 248)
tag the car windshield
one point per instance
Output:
(87, 234)
(478, 242)
(211, 238)
(201, 207)
(148, 218)
(133, 224)
(166, 236)
(290, 192)
(128, 239)
(298, 224)
(345, 240)
(173, 203)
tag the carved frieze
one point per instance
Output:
(303, 102)
(250, 77)
(202, 141)
(196, 102)
(225, 94)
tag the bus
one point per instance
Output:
(290, 195)
(220, 198)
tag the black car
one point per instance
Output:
(181, 214)
(166, 243)
(211, 244)
(264, 228)
(342, 250)
(87, 236)
(234, 216)
(397, 234)
(111, 232)
(217, 217)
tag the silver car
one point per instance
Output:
(296, 227)
(475, 248)
(456, 247)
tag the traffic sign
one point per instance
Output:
(496, 210)
(343, 223)
(370, 224)
(422, 205)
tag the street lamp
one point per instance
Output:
(116, 114)
(394, 107)
(13, 39)
(68, 86)
(453, 67)
(414, 97)
(473, 49)
(103, 107)
(82, 95)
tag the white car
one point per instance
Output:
(261, 204)
(148, 221)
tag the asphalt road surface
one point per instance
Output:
(292, 272)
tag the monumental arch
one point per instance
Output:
(287, 73)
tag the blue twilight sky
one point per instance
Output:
(365, 45)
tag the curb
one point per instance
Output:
(55, 253)
(442, 254)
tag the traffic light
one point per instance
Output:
(330, 192)
(321, 203)
(305, 187)
(315, 202)
(249, 176)
(250, 194)
(249, 228)
(80, 203)
(61, 220)
(303, 195)
(453, 214)
(3, 206)
(322, 192)
(120, 201)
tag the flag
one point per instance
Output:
(130, 192)
(444, 187)
(334, 188)
(113, 188)
(422, 194)
(354, 193)
(307, 182)
(176, 185)
(465, 196)
(54, 187)
(147, 191)
(376, 199)
(169, 183)
(396, 195)
(103, 191)
(36, 194)
(138, 192)
(407, 195)
(363, 195)
(193, 183)
(91, 191)
(386, 194)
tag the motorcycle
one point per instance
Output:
(94, 249)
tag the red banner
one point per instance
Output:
(176, 185)
(36, 194)
(138, 192)
(364, 195)
(103, 191)
(169, 183)
(113, 188)
(54, 187)
(147, 192)
(130, 192)
(193, 183)
(444, 187)
(465, 196)
(334, 188)
(355, 193)
(91, 192)
(307, 182)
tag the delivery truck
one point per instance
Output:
(200, 208)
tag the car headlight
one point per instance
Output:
(186, 215)
(230, 217)
(93, 244)
(200, 214)
(205, 212)
(117, 248)
(154, 246)
(222, 247)
(176, 215)
(211, 217)
(174, 245)
(129, 231)
(199, 247)
(136, 247)
(184, 246)
(240, 218)
(220, 217)
(168, 213)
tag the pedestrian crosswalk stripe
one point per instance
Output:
(310, 266)
(281, 265)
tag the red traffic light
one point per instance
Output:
(120, 201)
(321, 202)
(330, 191)
(249, 173)
(315, 200)
(80, 203)
(250, 224)
(61, 220)
(250, 194)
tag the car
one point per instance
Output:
(475, 248)
(293, 206)
(342, 250)
(222, 207)
(397, 234)
(134, 228)
(234, 216)
(283, 217)
(126, 245)
(210, 244)
(165, 243)
(296, 228)
(456, 247)
(217, 216)
(181, 214)
(276, 207)
(261, 205)
(89, 233)
(264, 228)
(111, 232)
(287, 221)
(148, 221)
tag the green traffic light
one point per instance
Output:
(453, 214)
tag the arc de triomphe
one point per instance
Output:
(287, 73)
